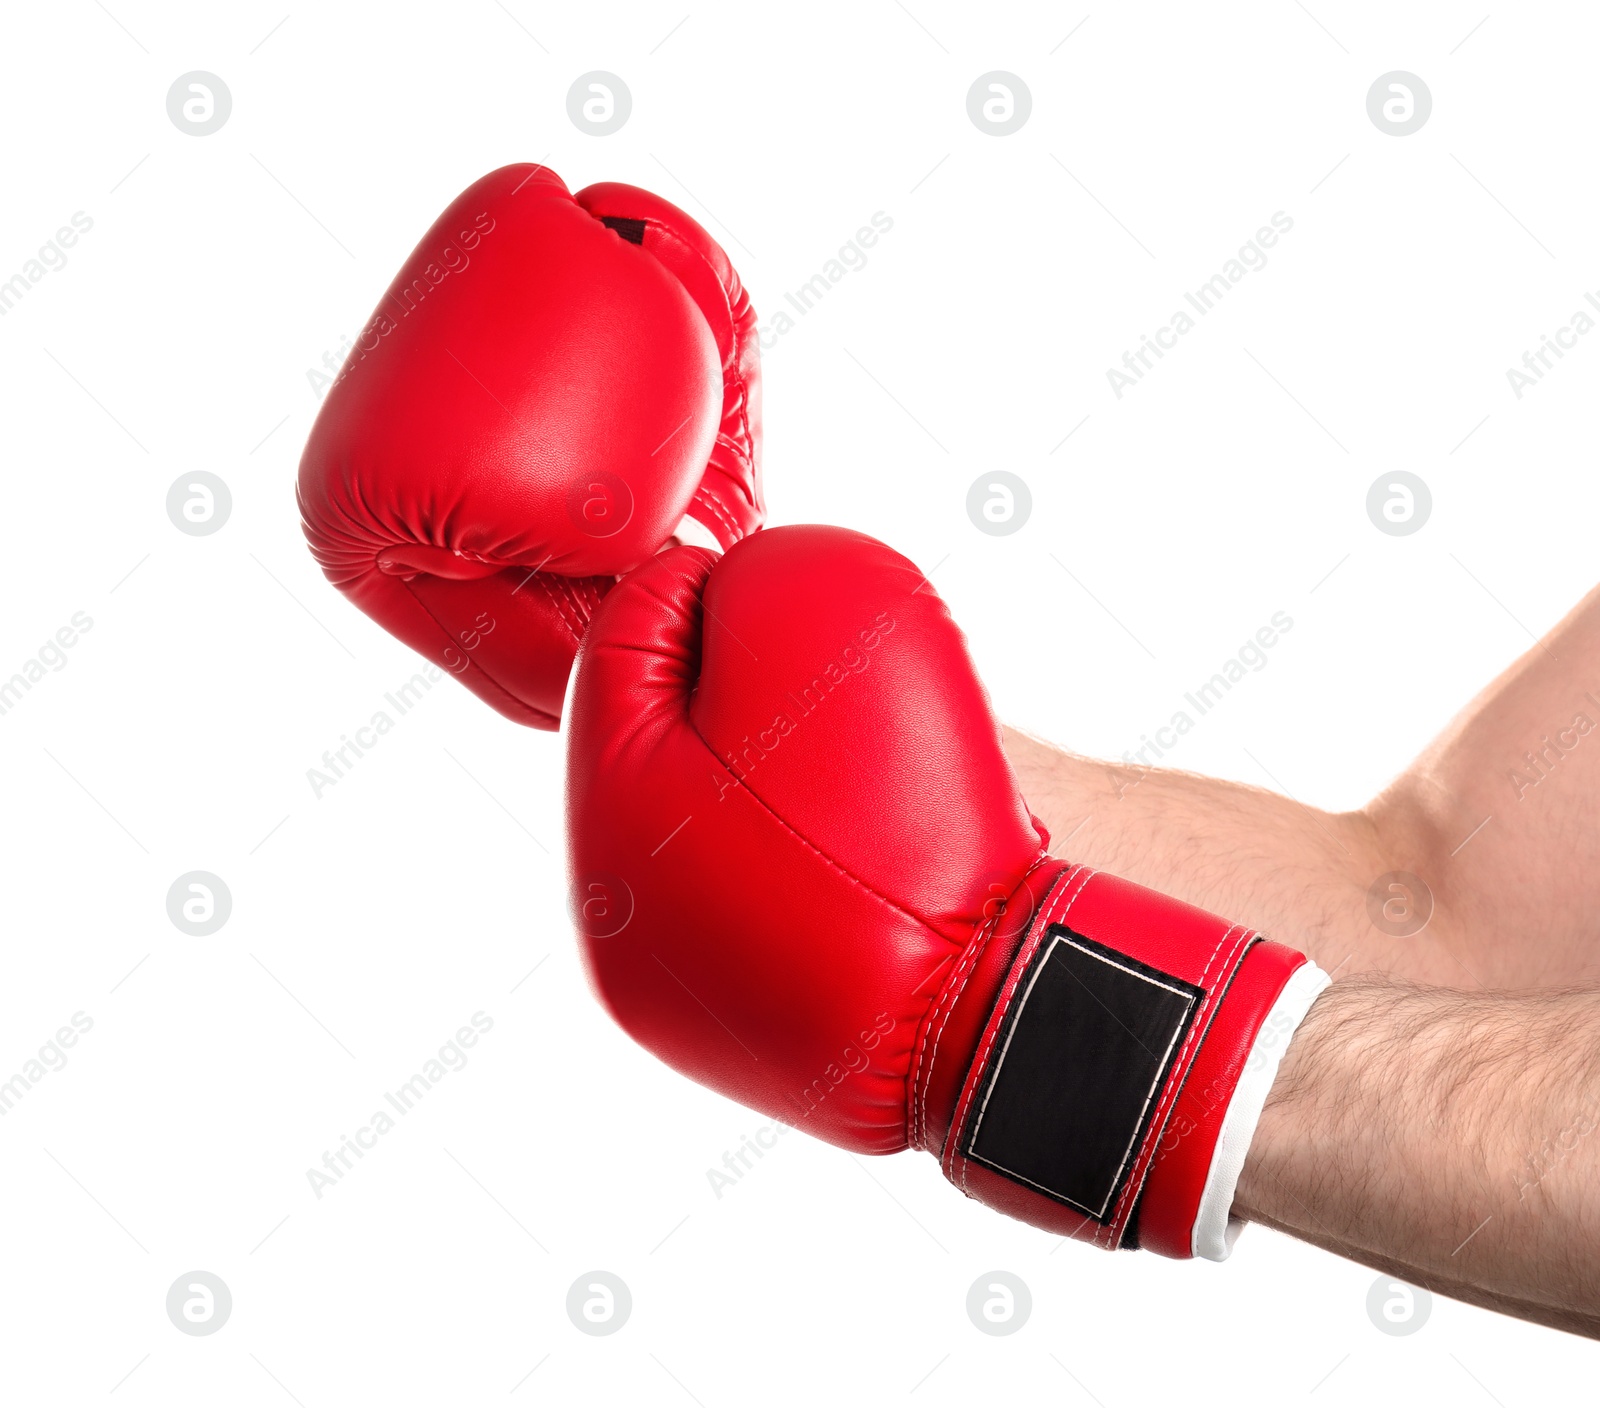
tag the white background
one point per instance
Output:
(427, 885)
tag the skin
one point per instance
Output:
(1445, 1137)
(1433, 1115)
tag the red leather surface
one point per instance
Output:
(729, 500)
(1187, 943)
(958, 1016)
(793, 911)
(803, 876)
(1182, 1158)
(533, 407)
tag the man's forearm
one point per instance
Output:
(1291, 871)
(1497, 817)
(1446, 1137)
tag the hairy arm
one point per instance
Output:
(1499, 817)
(1264, 860)
(1445, 1137)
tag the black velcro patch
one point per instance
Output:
(630, 230)
(1076, 1070)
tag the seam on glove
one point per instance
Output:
(731, 380)
(1215, 1228)
(1060, 914)
(1113, 1231)
(738, 440)
(742, 415)
(562, 605)
(954, 986)
(801, 837)
(1209, 1010)
(1048, 915)
(707, 498)
(916, 1121)
(917, 1132)
(582, 613)
(668, 235)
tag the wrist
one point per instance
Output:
(1290, 1136)
(1121, 1046)
(1219, 1113)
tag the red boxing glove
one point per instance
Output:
(803, 875)
(549, 386)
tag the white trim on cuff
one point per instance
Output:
(1215, 1230)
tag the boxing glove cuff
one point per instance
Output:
(1215, 1228)
(1117, 1081)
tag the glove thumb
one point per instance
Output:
(640, 658)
